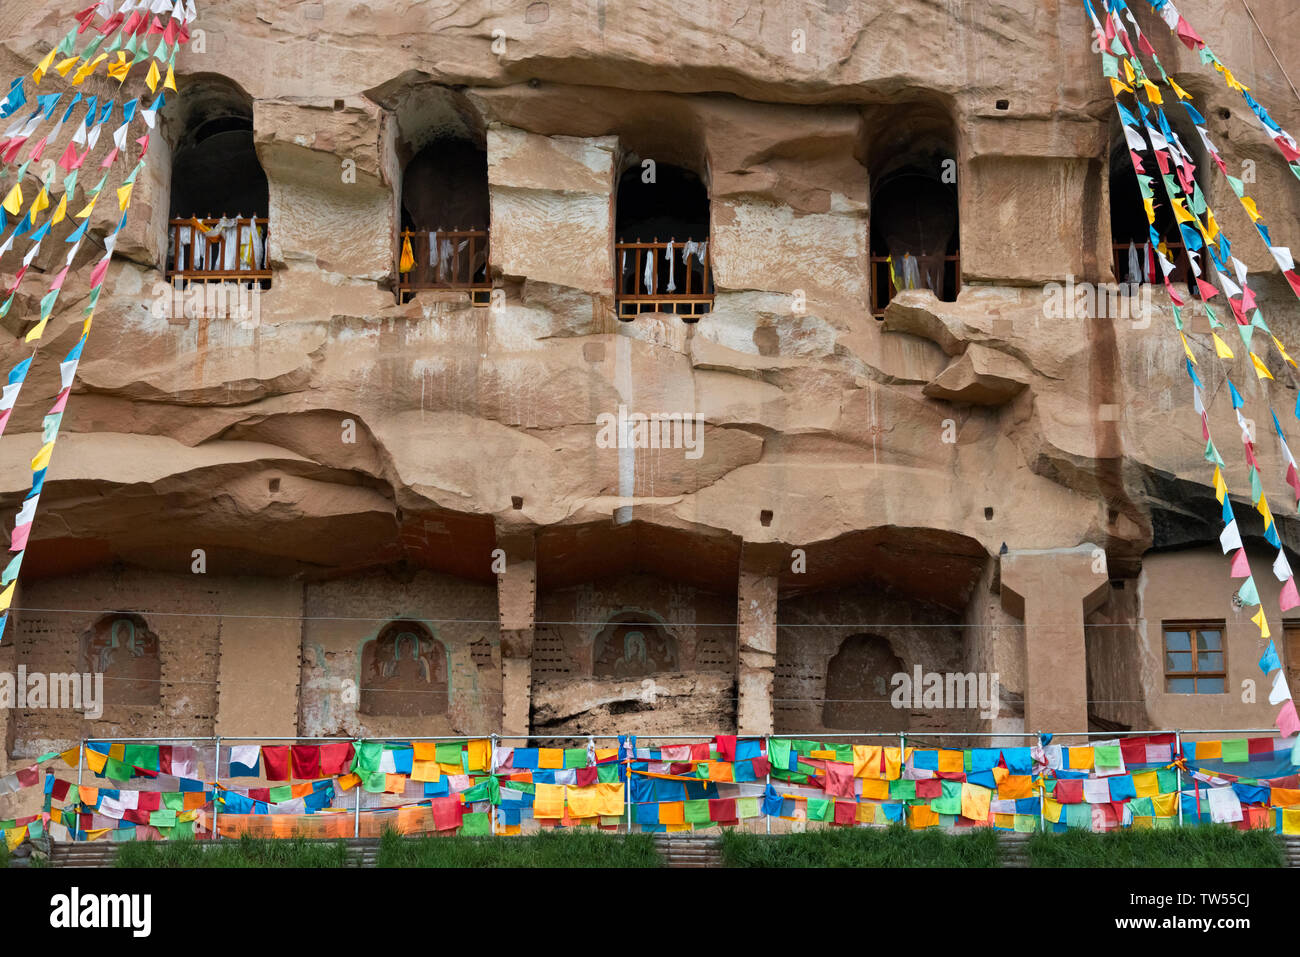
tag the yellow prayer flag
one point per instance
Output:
(63, 66)
(1182, 94)
(1117, 86)
(13, 203)
(1283, 351)
(42, 458)
(1146, 784)
(7, 596)
(90, 207)
(60, 211)
(1221, 347)
(43, 67)
(1181, 214)
(96, 760)
(1128, 71)
(477, 754)
(1291, 821)
(1264, 510)
(866, 761)
(1251, 208)
(1261, 370)
(15, 836)
(548, 801)
(875, 789)
(119, 70)
(1262, 622)
(124, 195)
(1211, 229)
(37, 330)
(71, 756)
(610, 798)
(1153, 93)
(550, 758)
(170, 82)
(975, 802)
(1191, 358)
(153, 76)
(1220, 486)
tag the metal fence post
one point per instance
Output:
(767, 781)
(492, 772)
(216, 790)
(1042, 790)
(627, 783)
(902, 763)
(1178, 769)
(356, 813)
(76, 820)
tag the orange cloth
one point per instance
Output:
(348, 781)
(550, 758)
(672, 812)
(394, 783)
(866, 761)
(425, 771)
(922, 815)
(893, 764)
(548, 801)
(609, 798)
(478, 754)
(1284, 797)
(1015, 786)
(952, 761)
(425, 750)
(875, 790)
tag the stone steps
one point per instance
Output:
(693, 850)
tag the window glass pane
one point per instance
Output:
(1209, 685)
(1178, 641)
(1209, 640)
(1180, 685)
(1209, 661)
(1178, 661)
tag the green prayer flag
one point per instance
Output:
(950, 802)
(1167, 780)
(1247, 333)
(448, 752)
(1106, 756)
(844, 753)
(902, 790)
(1142, 807)
(117, 771)
(367, 756)
(1237, 185)
(475, 824)
(141, 756)
(697, 812)
(1236, 751)
(607, 773)
(1247, 593)
(281, 793)
(575, 757)
(1256, 487)
(374, 781)
(173, 800)
(746, 807)
(778, 750)
(821, 809)
(162, 818)
(1025, 823)
(1257, 320)
(1078, 815)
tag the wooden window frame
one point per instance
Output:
(1192, 627)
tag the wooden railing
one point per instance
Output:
(446, 259)
(882, 282)
(199, 251)
(1177, 255)
(690, 277)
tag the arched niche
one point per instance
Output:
(436, 156)
(404, 672)
(633, 644)
(125, 651)
(858, 686)
(219, 196)
(911, 157)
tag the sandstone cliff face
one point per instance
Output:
(339, 431)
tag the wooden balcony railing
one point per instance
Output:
(882, 282)
(448, 259)
(647, 283)
(218, 250)
(1177, 255)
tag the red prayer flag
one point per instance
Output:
(306, 761)
(27, 776)
(722, 809)
(448, 813)
(61, 788)
(275, 761)
(260, 794)
(1208, 292)
(1293, 279)
(1287, 150)
(726, 747)
(846, 812)
(700, 751)
(1069, 791)
(149, 801)
(929, 788)
(584, 777)
(69, 157)
(1188, 35)
(335, 759)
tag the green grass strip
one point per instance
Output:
(895, 846)
(1202, 846)
(547, 849)
(241, 852)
